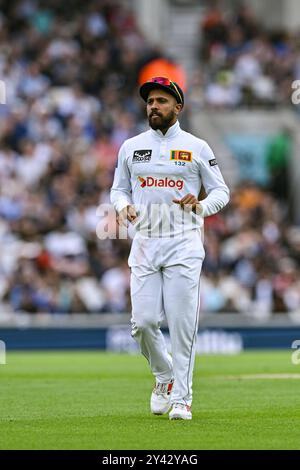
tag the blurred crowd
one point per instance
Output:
(252, 262)
(243, 62)
(71, 78)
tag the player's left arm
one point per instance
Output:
(189, 203)
(217, 192)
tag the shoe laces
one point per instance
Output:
(181, 406)
(163, 388)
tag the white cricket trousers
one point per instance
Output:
(165, 278)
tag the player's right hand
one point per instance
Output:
(128, 213)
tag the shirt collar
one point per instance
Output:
(171, 132)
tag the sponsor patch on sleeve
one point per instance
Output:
(213, 162)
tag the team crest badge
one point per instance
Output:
(182, 155)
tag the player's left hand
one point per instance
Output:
(189, 203)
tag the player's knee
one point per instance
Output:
(144, 323)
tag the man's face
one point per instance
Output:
(162, 109)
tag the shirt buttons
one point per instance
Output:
(162, 150)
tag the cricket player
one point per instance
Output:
(158, 178)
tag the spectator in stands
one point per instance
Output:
(262, 62)
(214, 30)
(278, 159)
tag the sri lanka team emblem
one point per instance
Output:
(183, 155)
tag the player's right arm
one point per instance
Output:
(120, 194)
(128, 213)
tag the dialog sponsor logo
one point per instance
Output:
(151, 182)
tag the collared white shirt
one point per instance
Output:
(153, 169)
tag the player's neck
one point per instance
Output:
(164, 130)
(169, 133)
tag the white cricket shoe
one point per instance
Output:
(160, 398)
(180, 411)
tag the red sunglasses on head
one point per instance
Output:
(161, 80)
(166, 82)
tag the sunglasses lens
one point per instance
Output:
(161, 80)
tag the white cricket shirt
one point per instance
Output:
(152, 169)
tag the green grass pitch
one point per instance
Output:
(96, 400)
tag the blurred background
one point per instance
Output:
(72, 75)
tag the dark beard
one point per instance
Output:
(162, 123)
